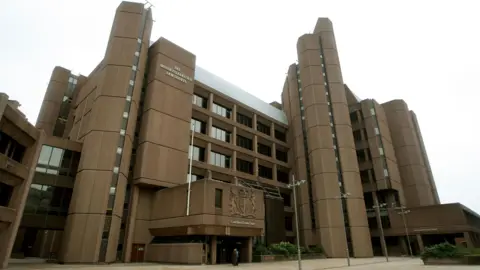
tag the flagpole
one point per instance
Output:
(190, 171)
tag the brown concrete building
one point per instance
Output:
(105, 174)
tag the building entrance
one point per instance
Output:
(226, 245)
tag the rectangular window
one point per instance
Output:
(244, 142)
(354, 117)
(264, 149)
(220, 160)
(220, 110)
(218, 198)
(194, 177)
(288, 224)
(372, 111)
(281, 136)
(11, 148)
(199, 101)
(244, 120)
(198, 153)
(380, 150)
(282, 177)
(220, 134)
(281, 155)
(5, 194)
(377, 132)
(265, 172)
(244, 166)
(198, 126)
(364, 177)
(287, 200)
(357, 135)
(361, 157)
(263, 128)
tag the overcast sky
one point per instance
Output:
(425, 52)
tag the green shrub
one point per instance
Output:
(440, 251)
(261, 249)
(316, 249)
(283, 248)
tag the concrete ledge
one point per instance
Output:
(443, 261)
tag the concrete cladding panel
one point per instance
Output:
(93, 224)
(425, 157)
(415, 180)
(381, 147)
(331, 146)
(162, 155)
(47, 118)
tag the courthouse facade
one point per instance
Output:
(103, 176)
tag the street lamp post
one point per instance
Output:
(377, 207)
(294, 186)
(344, 196)
(404, 211)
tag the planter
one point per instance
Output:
(276, 258)
(443, 261)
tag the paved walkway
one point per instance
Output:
(356, 264)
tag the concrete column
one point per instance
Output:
(234, 161)
(274, 172)
(234, 136)
(468, 239)
(213, 250)
(274, 151)
(235, 181)
(403, 245)
(234, 113)
(209, 126)
(254, 121)
(207, 153)
(420, 242)
(272, 130)
(130, 229)
(255, 143)
(210, 101)
(249, 249)
(255, 167)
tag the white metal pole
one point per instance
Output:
(299, 251)
(190, 171)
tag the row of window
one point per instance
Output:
(241, 118)
(11, 148)
(226, 136)
(225, 161)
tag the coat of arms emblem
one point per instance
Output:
(242, 203)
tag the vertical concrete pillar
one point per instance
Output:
(421, 246)
(93, 224)
(255, 143)
(234, 136)
(209, 126)
(272, 130)
(213, 250)
(254, 121)
(130, 229)
(234, 161)
(255, 166)
(234, 113)
(274, 172)
(468, 239)
(210, 101)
